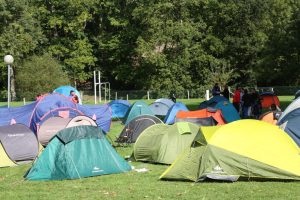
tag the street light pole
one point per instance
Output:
(8, 60)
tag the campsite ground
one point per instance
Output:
(134, 185)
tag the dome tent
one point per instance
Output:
(245, 149)
(17, 144)
(66, 89)
(161, 106)
(171, 115)
(55, 124)
(162, 143)
(77, 152)
(119, 108)
(135, 127)
(137, 109)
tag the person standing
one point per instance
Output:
(216, 91)
(73, 97)
(247, 103)
(225, 92)
(236, 100)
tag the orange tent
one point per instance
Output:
(267, 99)
(204, 113)
(268, 117)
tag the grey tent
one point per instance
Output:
(161, 106)
(17, 144)
(135, 127)
(207, 121)
(55, 124)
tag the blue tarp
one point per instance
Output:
(170, 117)
(66, 89)
(33, 115)
(119, 108)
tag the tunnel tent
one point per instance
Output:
(55, 124)
(66, 89)
(77, 152)
(223, 154)
(119, 108)
(18, 144)
(135, 110)
(135, 127)
(171, 115)
(161, 107)
(162, 143)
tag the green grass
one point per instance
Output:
(135, 185)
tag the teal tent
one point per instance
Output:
(137, 109)
(77, 152)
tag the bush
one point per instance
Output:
(38, 75)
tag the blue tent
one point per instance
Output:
(229, 113)
(119, 108)
(33, 115)
(212, 102)
(66, 89)
(170, 117)
(20, 115)
(290, 124)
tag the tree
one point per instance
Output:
(39, 75)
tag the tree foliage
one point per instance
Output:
(161, 45)
(39, 75)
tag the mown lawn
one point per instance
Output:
(135, 185)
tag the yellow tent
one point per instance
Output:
(242, 149)
(5, 161)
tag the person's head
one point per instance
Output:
(72, 93)
(216, 84)
(273, 107)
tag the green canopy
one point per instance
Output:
(77, 152)
(162, 143)
(137, 109)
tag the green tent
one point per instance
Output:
(77, 152)
(137, 109)
(162, 143)
(241, 150)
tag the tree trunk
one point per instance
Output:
(12, 84)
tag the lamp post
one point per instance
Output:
(8, 60)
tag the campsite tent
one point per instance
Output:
(229, 113)
(162, 143)
(297, 94)
(17, 144)
(135, 127)
(212, 102)
(55, 124)
(161, 106)
(77, 152)
(268, 98)
(171, 115)
(66, 89)
(221, 153)
(137, 109)
(202, 117)
(50, 105)
(268, 117)
(119, 108)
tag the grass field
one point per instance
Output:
(135, 185)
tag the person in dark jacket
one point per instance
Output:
(256, 104)
(216, 91)
(225, 92)
(247, 103)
